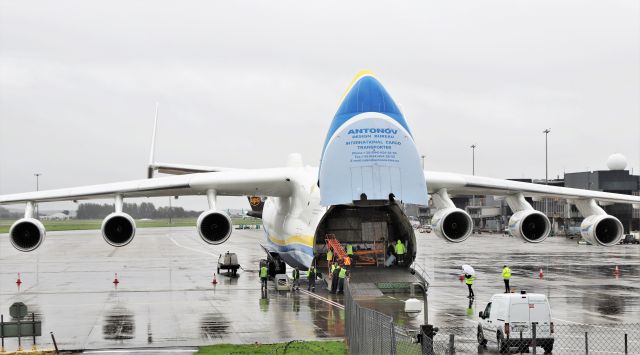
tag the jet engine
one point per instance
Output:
(118, 229)
(27, 234)
(531, 225)
(602, 230)
(452, 224)
(214, 227)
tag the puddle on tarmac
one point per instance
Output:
(119, 324)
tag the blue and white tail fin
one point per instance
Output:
(369, 151)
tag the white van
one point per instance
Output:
(509, 318)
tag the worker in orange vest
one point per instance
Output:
(347, 261)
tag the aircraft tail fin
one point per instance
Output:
(153, 146)
(256, 203)
(170, 168)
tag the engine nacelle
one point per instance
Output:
(530, 225)
(214, 227)
(27, 234)
(452, 224)
(118, 229)
(602, 230)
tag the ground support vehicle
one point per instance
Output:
(509, 321)
(229, 262)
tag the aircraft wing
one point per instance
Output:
(457, 184)
(263, 182)
(181, 169)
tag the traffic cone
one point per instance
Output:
(461, 278)
(616, 270)
(215, 281)
(115, 280)
(541, 273)
(18, 282)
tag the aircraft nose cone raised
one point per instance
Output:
(369, 150)
(366, 94)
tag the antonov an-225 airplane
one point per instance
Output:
(369, 167)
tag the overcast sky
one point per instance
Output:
(244, 83)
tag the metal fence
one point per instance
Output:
(371, 332)
(565, 339)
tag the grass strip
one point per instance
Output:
(91, 224)
(297, 347)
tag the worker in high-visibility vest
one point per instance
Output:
(347, 261)
(400, 251)
(334, 279)
(264, 275)
(296, 279)
(469, 281)
(329, 260)
(349, 249)
(342, 275)
(311, 279)
(333, 268)
(506, 275)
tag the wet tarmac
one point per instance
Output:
(165, 297)
(580, 281)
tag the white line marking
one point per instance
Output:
(323, 299)
(192, 249)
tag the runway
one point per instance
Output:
(165, 297)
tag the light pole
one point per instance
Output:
(37, 175)
(546, 155)
(473, 157)
(422, 157)
(473, 169)
(546, 170)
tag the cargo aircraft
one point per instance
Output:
(369, 167)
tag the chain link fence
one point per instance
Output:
(565, 339)
(371, 332)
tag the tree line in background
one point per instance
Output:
(144, 210)
(5, 213)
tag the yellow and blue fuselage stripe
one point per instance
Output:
(302, 243)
